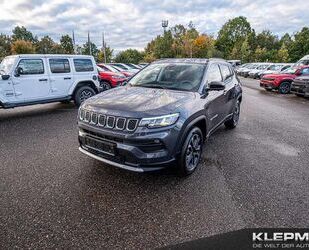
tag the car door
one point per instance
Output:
(61, 76)
(229, 92)
(31, 80)
(215, 110)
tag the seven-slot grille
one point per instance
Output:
(108, 121)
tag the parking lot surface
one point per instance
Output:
(52, 196)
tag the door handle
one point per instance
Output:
(43, 80)
(67, 78)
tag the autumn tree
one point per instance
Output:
(22, 47)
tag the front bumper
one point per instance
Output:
(268, 85)
(135, 153)
(300, 89)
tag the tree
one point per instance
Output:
(129, 56)
(66, 44)
(22, 47)
(109, 55)
(283, 54)
(234, 31)
(45, 45)
(260, 54)
(300, 45)
(245, 51)
(163, 46)
(266, 39)
(21, 33)
(203, 46)
(86, 49)
(5, 46)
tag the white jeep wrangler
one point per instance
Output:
(35, 79)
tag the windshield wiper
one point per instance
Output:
(150, 86)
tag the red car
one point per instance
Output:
(122, 71)
(110, 78)
(282, 82)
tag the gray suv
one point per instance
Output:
(164, 114)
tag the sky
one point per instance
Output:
(133, 23)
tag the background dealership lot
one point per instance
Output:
(53, 196)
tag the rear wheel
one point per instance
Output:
(232, 123)
(105, 85)
(284, 88)
(191, 152)
(82, 94)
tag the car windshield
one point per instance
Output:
(177, 76)
(116, 68)
(302, 63)
(275, 67)
(289, 71)
(6, 65)
(262, 67)
(110, 68)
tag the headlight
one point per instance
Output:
(160, 121)
(118, 77)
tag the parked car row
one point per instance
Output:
(115, 74)
(258, 70)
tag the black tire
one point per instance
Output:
(105, 85)
(299, 95)
(82, 94)
(285, 88)
(191, 152)
(233, 121)
(269, 90)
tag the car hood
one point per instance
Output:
(138, 101)
(279, 76)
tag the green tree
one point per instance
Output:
(21, 33)
(283, 54)
(300, 45)
(260, 54)
(22, 47)
(5, 46)
(85, 50)
(234, 31)
(66, 44)
(245, 51)
(129, 56)
(45, 45)
(109, 55)
(163, 46)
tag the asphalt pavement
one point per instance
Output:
(52, 196)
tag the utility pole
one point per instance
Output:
(104, 47)
(73, 39)
(89, 44)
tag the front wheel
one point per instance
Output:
(191, 152)
(105, 85)
(233, 121)
(284, 88)
(82, 94)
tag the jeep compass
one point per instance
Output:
(163, 115)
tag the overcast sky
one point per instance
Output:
(132, 23)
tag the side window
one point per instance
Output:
(83, 65)
(225, 71)
(214, 74)
(305, 71)
(59, 66)
(31, 66)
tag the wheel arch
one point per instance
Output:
(85, 83)
(200, 122)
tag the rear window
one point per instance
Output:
(59, 65)
(83, 65)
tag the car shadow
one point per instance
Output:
(35, 111)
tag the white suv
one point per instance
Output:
(34, 79)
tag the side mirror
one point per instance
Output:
(298, 73)
(124, 83)
(5, 77)
(216, 86)
(19, 71)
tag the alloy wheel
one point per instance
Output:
(193, 152)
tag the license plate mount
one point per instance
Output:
(105, 147)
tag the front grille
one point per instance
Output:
(132, 124)
(108, 121)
